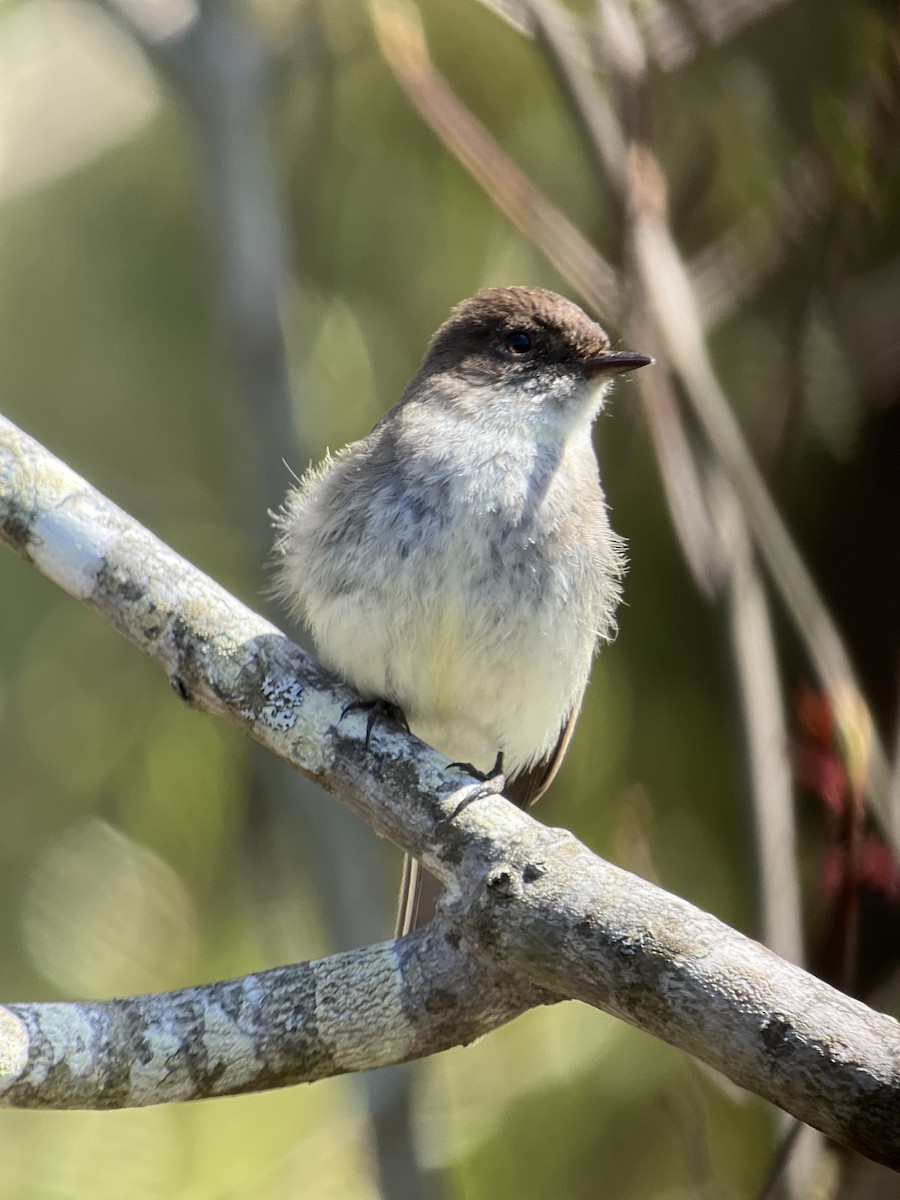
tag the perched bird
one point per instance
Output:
(456, 566)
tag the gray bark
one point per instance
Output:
(530, 916)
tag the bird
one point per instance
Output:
(456, 566)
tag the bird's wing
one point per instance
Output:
(419, 891)
(529, 785)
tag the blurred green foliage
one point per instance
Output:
(130, 848)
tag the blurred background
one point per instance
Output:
(226, 234)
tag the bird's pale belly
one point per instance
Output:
(471, 680)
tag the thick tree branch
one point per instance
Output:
(530, 915)
(379, 1005)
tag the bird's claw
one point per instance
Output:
(492, 783)
(377, 710)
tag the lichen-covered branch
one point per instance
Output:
(383, 1004)
(530, 914)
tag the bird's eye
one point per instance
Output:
(518, 342)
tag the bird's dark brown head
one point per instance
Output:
(508, 333)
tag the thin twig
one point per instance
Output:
(753, 647)
(673, 41)
(670, 300)
(403, 46)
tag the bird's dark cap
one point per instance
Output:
(559, 330)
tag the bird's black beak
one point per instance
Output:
(616, 362)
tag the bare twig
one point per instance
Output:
(671, 298)
(678, 469)
(684, 493)
(716, 522)
(672, 303)
(714, 536)
(403, 45)
(756, 667)
(556, 29)
(673, 40)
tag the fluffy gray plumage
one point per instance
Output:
(458, 561)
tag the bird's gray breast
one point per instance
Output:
(512, 527)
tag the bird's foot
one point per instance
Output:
(467, 768)
(492, 782)
(378, 710)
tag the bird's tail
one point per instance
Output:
(410, 891)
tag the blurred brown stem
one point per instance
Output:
(671, 302)
(403, 45)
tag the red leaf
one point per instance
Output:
(822, 772)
